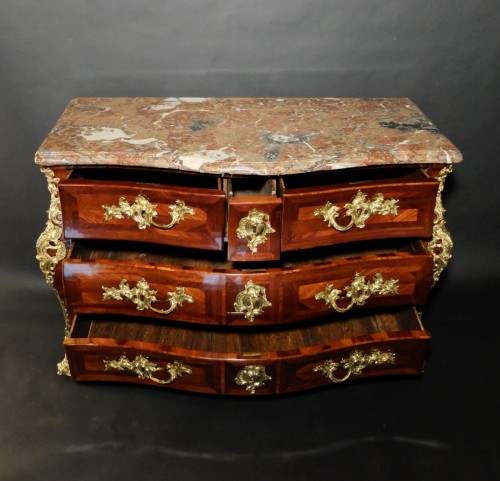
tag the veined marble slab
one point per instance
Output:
(259, 136)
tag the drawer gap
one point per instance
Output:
(125, 329)
(351, 176)
(190, 258)
(147, 176)
(252, 187)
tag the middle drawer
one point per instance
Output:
(154, 284)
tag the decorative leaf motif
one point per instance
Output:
(355, 363)
(252, 301)
(360, 209)
(252, 377)
(143, 212)
(441, 243)
(50, 249)
(144, 368)
(358, 291)
(143, 296)
(254, 228)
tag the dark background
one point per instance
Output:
(442, 54)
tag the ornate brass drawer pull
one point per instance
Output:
(358, 291)
(254, 227)
(252, 301)
(252, 377)
(144, 368)
(359, 210)
(355, 363)
(143, 296)
(143, 212)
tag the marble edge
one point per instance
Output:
(240, 168)
(46, 158)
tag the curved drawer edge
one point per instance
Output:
(289, 294)
(216, 373)
(127, 211)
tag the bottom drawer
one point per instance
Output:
(271, 361)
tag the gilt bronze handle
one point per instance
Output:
(359, 210)
(358, 291)
(143, 212)
(144, 368)
(143, 296)
(354, 364)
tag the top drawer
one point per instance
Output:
(333, 209)
(254, 217)
(189, 215)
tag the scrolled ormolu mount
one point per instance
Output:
(252, 301)
(63, 367)
(358, 291)
(252, 377)
(359, 210)
(144, 368)
(50, 248)
(254, 228)
(441, 244)
(354, 364)
(143, 212)
(143, 296)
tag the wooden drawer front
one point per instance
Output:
(404, 281)
(92, 361)
(246, 297)
(305, 211)
(100, 210)
(128, 288)
(400, 353)
(238, 363)
(216, 297)
(254, 228)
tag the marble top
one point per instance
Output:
(260, 136)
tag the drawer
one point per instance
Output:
(369, 280)
(110, 348)
(175, 214)
(324, 210)
(140, 289)
(254, 220)
(150, 283)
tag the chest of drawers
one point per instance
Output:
(244, 246)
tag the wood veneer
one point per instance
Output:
(304, 229)
(82, 204)
(291, 286)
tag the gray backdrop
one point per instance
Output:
(443, 54)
